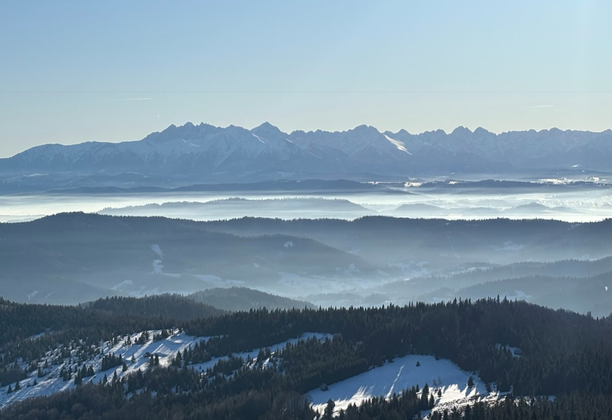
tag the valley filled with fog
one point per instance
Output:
(241, 219)
(570, 201)
(322, 243)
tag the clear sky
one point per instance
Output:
(72, 71)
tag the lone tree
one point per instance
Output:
(329, 410)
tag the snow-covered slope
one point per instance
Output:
(447, 382)
(52, 381)
(136, 357)
(401, 374)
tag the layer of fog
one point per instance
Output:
(569, 206)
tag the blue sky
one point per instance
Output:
(72, 71)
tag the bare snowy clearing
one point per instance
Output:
(401, 374)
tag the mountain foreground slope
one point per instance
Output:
(495, 357)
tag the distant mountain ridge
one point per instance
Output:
(207, 153)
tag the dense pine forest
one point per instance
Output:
(562, 354)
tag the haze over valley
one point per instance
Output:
(410, 232)
(306, 210)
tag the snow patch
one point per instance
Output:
(258, 138)
(158, 267)
(157, 250)
(201, 367)
(412, 184)
(401, 374)
(398, 144)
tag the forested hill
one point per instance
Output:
(244, 299)
(562, 354)
(163, 306)
(20, 321)
(552, 342)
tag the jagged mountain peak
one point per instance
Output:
(482, 132)
(207, 153)
(266, 125)
(187, 131)
(365, 130)
(461, 130)
(267, 129)
(401, 132)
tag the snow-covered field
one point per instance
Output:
(166, 349)
(403, 373)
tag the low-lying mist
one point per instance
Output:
(368, 261)
(465, 201)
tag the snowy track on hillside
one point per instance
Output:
(401, 374)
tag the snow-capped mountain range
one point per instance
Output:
(206, 153)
